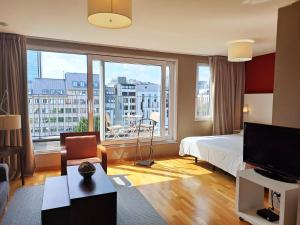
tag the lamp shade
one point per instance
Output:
(110, 13)
(240, 50)
(155, 116)
(10, 122)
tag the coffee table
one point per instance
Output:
(93, 202)
(56, 201)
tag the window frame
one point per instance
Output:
(172, 124)
(203, 118)
(172, 62)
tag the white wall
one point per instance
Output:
(260, 108)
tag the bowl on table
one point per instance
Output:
(86, 170)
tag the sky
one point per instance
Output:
(55, 65)
(204, 73)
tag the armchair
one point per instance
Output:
(4, 187)
(77, 147)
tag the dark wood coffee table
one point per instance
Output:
(71, 200)
(56, 201)
(93, 202)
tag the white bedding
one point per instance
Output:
(223, 151)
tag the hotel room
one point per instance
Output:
(136, 112)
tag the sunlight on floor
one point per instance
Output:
(161, 171)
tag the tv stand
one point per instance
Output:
(275, 176)
(250, 197)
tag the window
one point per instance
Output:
(75, 84)
(68, 101)
(136, 94)
(45, 91)
(53, 119)
(53, 79)
(62, 96)
(203, 93)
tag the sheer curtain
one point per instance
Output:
(228, 84)
(13, 77)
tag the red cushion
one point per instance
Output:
(80, 147)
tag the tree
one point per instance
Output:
(82, 125)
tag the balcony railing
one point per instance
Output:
(52, 115)
(203, 106)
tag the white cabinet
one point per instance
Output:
(250, 197)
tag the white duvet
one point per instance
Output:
(223, 151)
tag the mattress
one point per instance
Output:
(223, 151)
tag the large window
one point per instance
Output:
(54, 100)
(133, 89)
(111, 98)
(203, 93)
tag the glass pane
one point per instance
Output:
(203, 100)
(132, 92)
(57, 93)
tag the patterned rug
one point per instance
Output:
(132, 207)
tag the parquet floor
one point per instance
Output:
(181, 192)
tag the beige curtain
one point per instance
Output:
(13, 77)
(228, 82)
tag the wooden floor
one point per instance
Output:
(182, 193)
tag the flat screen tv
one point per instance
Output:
(274, 149)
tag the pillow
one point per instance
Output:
(80, 147)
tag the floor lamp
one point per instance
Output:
(8, 121)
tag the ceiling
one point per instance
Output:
(199, 27)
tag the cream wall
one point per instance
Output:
(186, 84)
(286, 102)
(260, 108)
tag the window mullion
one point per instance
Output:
(171, 105)
(163, 100)
(90, 97)
(102, 99)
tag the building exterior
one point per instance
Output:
(148, 99)
(203, 99)
(125, 101)
(60, 105)
(33, 64)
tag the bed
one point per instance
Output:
(222, 151)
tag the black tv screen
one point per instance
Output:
(273, 148)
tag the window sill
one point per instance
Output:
(53, 147)
(46, 147)
(142, 143)
(208, 119)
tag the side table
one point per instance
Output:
(6, 151)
